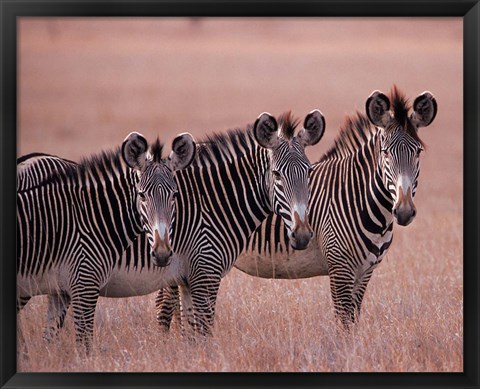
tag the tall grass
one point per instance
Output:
(412, 321)
(161, 77)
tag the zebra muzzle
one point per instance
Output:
(161, 250)
(404, 209)
(301, 233)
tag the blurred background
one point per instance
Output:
(85, 83)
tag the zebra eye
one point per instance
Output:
(384, 152)
(276, 174)
(419, 150)
(141, 195)
(175, 195)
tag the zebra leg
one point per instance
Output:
(84, 301)
(204, 290)
(341, 287)
(57, 310)
(359, 288)
(167, 303)
(187, 314)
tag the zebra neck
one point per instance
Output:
(374, 201)
(246, 183)
(234, 159)
(233, 199)
(265, 180)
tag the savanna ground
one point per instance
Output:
(84, 84)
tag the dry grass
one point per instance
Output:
(412, 321)
(84, 87)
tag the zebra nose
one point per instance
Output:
(404, 209)
(154, 254)
(404, 216)
(300, 237)
(161, 260)
(294, 236)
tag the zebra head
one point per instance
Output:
(400, 146)
(289, 168)
(156, 187)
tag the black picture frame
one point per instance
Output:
(10, 10)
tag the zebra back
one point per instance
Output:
(35, 168)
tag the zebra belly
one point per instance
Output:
(132, 282)
(50, 282)
(281, 265)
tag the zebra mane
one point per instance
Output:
(109, 161)
(287, 124)
(112, 157)
(156, 150)
(400, 109)
(100, 160)
(103, 161)
(357, 130)
(228, 145)
(400, 105)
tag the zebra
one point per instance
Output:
(35, 168)
(364, 183)
(73, 221)
(284, 191)
(242, 176)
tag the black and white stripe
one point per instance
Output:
(237, 179)
(226, 193)
(358, 188)
(74, 221)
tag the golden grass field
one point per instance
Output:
(84, 84)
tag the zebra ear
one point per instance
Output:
(134, 150)
(377, 107)
(313, 128)
(265, 131)
(183, 151)
(424, 110)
